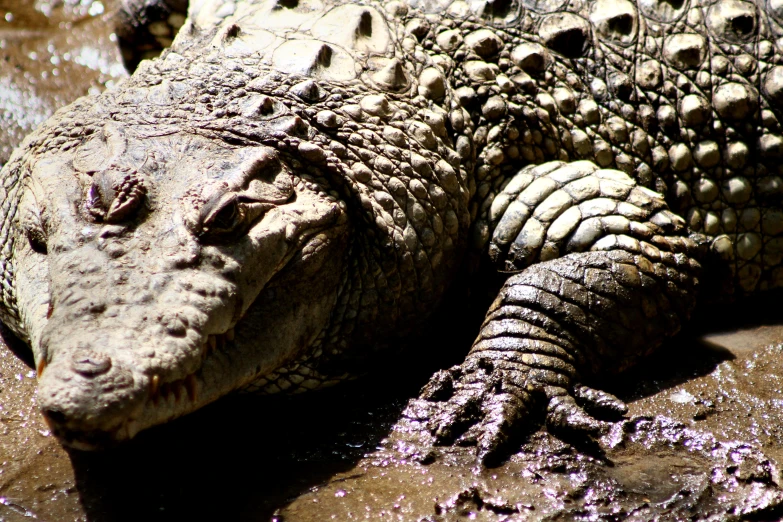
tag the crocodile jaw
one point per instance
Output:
(133, 324)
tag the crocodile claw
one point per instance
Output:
(598, 401)
(486, 407)
(564, 413)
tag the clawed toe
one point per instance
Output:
(502, 414)
(477, 406)
(460, 412)
(563, 413)
(599, 402)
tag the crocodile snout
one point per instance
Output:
(88, 398)
(90, 364)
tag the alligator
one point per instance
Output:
(294, 184)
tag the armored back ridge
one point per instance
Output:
(295, 181)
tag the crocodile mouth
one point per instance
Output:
(161, 394)
(165, 401)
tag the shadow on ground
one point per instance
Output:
(703, 435)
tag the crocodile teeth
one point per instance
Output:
(131, 428)
(230, 334)
(165, 390)
(41, 367)
(126, 429)
(154, 386)
(207, 348)
(190, 386)
(212, 342)
(176, 387)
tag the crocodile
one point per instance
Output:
(295, 184)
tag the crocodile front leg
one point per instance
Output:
(606, 275)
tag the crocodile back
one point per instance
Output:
(683, 95)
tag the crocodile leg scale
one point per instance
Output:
(620, 289)
(535, 345)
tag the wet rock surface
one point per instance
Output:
(52, 53)
(701, 441)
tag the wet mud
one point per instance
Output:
(702, 441)
(52, 53)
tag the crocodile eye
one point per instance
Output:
(226, 221)
(227, 218)
(31, 222)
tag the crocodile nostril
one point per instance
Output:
(90, 364)
(55, 416)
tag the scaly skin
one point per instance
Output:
(296, 181)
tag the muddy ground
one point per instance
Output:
(701, 441)
(51, 52)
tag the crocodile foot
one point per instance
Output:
(483, 403)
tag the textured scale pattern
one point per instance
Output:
(600, 152)
(682, 96)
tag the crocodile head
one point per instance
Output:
(137, 267)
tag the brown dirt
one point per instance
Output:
(52, 53)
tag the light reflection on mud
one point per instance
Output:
(53, 52)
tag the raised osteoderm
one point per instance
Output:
(295, 181)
